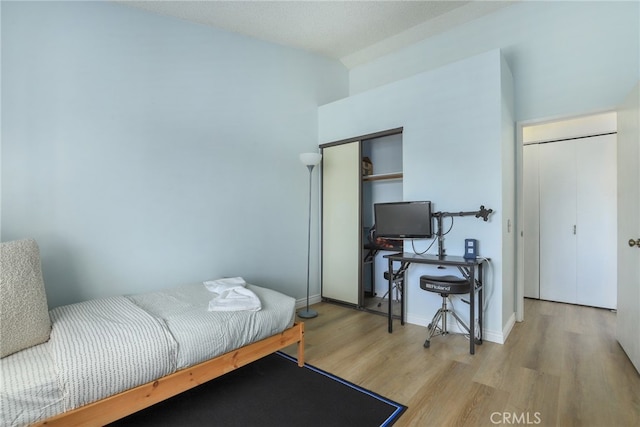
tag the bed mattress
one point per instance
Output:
(102, 347)
(202, 334)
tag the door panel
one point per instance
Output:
(596, 196)
(531, 202)
(557, 221)
(628, 317)
(341, 244)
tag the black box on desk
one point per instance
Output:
(470, 248)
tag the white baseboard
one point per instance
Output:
(493, 336)
(313, 299)
(508, 327)
(501, 337)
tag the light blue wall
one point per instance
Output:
(567, 57)
(144, 152)
(509, 231)
(455, 154)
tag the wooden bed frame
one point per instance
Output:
(127, 402)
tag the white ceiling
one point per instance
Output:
(353, 31)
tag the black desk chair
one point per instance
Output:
(376, 244)
(444, 285)
(398, 285)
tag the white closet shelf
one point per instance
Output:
(381, 176)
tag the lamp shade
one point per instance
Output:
(310, 159)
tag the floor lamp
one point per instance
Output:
(310, 160)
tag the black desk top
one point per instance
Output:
(434, 259)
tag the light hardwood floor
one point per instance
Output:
(562, 366)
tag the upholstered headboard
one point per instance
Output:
(24, 314)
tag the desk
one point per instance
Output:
(471, 269)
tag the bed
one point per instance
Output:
(106, 358)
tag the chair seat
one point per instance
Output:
(445, 284)
(386, 276)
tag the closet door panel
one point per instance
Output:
(597, 221)
(531, 204)
(341, 242)
(557, 221)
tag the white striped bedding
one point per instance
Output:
(29, 388)
(203, 334)
(101, 347)
(104, 346)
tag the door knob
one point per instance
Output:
(633, 243)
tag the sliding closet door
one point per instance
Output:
(341, 240)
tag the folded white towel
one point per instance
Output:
(220, 285)
(236, 299)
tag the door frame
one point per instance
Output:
(520, 126)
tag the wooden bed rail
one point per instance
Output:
(127, 402)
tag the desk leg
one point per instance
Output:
(402, 289)
(480, 302)
(472, 309)
(389, 315)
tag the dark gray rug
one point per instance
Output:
(272, 391)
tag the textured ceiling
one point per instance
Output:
(351, 31)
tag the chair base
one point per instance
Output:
(397, 289)
(438, 325)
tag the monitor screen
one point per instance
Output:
(403, 220)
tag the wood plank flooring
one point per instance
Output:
(562, 366)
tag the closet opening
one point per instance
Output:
(569, 200)
(357, 173)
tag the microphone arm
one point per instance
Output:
(481, 213)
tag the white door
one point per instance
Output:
(341, 242)
(578, 221)
(531, 215)
(558, 221)
(596, 235)
(628, 317)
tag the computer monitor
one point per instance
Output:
(403, 220)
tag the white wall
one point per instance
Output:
(509, 231)
(567, 57)
(454, 154)
(143, 151)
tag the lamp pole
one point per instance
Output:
(310, 160)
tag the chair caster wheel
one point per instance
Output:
(477, 341)
(429, 326)
(379, 304)
(427, 344)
